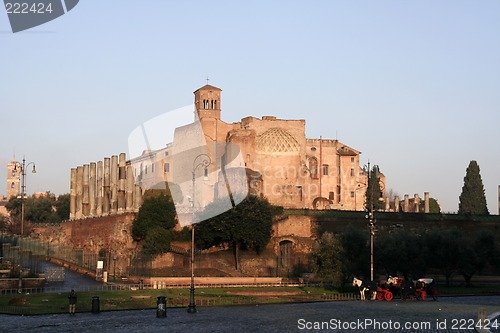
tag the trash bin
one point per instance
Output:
(95, 304)
(161, 307)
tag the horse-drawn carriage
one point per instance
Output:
(395, 286)
(385, 291)
(425, 287)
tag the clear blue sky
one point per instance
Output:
(414, 85)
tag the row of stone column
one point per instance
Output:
(104, 188)
(415, 205)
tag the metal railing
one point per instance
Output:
(160, 286)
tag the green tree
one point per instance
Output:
(434, 206)
(486, 248)
(374, 191)
(475, 253)
(443, 249)
(14, 207)
(62, 207)
(41, 209)
(336, 258)
(356, 255)
(402, 252)
(472, 199)
(157, 241)
(467, 260)
(246, 226)
(328, 259)
(157, 210)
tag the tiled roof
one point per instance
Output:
(208, 87)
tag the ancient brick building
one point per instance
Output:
(273, 156)
(281, 163)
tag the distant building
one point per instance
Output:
(13, 179)
(285, 166)
(3, 202)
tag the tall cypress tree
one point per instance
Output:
(374, 191)
(473, 199)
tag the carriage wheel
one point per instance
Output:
(388, 296)
(423, 295)
(380, 295)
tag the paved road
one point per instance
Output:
(330, 316)
(72, 280)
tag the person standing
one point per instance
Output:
(72, 302)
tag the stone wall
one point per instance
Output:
(6, 284)
(112, 233)
(300, 226)
(293, 233)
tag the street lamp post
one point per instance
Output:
(22, 166)
(205, 163)
(371, 221)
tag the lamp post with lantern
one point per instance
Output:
(22, 168)
(369, 216)
(205, 161)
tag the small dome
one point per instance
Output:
(277, 140)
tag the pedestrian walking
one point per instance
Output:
(72, 302)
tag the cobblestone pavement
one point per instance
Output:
(451, 314)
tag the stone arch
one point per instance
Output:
(321, 203)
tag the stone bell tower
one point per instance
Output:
(207, 102)
(13, 177)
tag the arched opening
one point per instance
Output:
(321, 203)
(286, 254)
